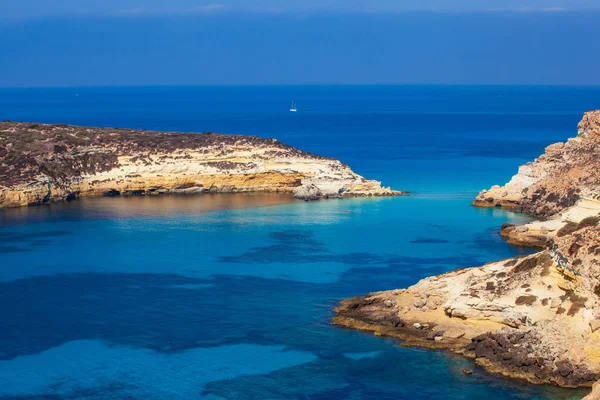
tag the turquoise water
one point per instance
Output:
(229, 296)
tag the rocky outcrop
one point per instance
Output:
(561, 187)
(540, 233)
(41, 163)
(534, 317)
(564, 174)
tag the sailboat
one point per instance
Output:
(293, 109)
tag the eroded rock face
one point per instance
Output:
(535, 317)
(40, 163)
(528, 317)
(540, 233)
(556, 180)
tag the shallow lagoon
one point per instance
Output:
(230, 303)
(229, 296)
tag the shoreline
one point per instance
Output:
(102, 207)
(43, 163)
(534, 318)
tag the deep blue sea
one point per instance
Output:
(230, 296)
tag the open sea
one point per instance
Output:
(230, 296)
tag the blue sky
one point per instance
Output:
(151, 42)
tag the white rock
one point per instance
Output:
(389, 303)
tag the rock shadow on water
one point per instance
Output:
(381, 271)
(155, 312)
(170, 313)
(14, 242)
(6, 237)
(399, 272)
(92, 369)
(491, 241)
(163, 312)
(394, 373)
(11, 249)
(425, 240)
(298, 246)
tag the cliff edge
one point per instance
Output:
(535, 317)
(564, 174)
(561, 187)
(41, 163)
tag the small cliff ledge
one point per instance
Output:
(556, 180)
(534, 317)
(41, 163)
(561, 187)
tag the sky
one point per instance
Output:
(189, 42)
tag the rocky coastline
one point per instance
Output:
(43, 163)
(535, 317)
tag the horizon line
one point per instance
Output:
(221, 10)
(34, 87)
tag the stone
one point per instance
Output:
(433, 302)
(434, 334)
(595, 325)
(417, 325)
(418, 303)
(454, 333)
(564, 368)
(308, 192)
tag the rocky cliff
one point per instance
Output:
(564, 174)
(561, 187)
(41, 163)
(535, 317)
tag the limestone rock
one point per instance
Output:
(41, 163)
(556, 180)
(389, 303)
(528, 317)
(307, 192)
(534, 317)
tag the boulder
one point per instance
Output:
(307, 192)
